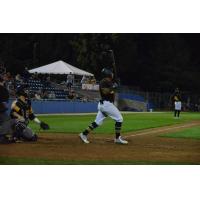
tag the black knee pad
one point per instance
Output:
(94, 125)
(118, 124)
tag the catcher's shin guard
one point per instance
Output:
(19, 128)
(29, 135)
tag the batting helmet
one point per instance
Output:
(106, 72)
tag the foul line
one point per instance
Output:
(94, 113)
(161, 130)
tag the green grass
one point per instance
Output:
(29, 161)
(132, 122)
(191, 133)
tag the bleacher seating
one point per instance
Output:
(36, 85)
(59, 90)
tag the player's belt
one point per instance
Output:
(101, 101)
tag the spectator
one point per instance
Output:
(52, 95)
(47, 82)
(71, 95)
(18, 78)
(45, 95)
(8, 76)
(84, 80)
(38, 96)
(84, 99)
(93, 80)
(70, 80)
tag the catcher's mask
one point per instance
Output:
(107, 73)
(21, 91)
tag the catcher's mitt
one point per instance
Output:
(44, 126)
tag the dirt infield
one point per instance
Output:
(144, 146)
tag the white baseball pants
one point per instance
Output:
(177, 105)
(108, 109)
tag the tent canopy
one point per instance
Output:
(60, 67)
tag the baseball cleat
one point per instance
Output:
(84, 138)
(119, 140)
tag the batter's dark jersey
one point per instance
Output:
(22, 109)
(4, 96)
(107, 90)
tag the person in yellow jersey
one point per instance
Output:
(21, 111)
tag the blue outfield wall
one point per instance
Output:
(150, 105)
(63, 106)
(59, 106)
(131, 97)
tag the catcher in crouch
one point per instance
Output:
(21, 110)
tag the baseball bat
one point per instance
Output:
(114, 64)
(115, 74)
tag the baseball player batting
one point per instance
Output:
(106, 108)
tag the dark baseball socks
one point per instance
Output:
(118, 126)
(176, 113)
(91, 127)
(94, 125)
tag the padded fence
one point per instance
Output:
(59, 106)
(130, 102)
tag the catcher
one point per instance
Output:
(22, 112)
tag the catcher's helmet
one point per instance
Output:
(106, 72)
(21, 91)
